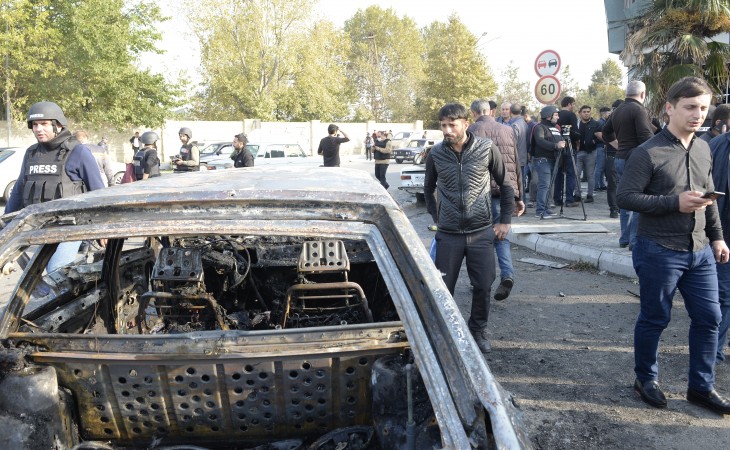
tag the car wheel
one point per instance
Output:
(399, 161)
(420, 198)
(118, 177)
(8, 190)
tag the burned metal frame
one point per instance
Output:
(461, 387)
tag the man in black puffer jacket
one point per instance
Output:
(462, 167)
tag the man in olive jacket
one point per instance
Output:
(461, 168)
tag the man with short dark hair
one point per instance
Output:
(329, 146)
(382, 148)
(720, 148)
(461, 167)
(588, 129)
(678, 242)
(720, 119)
(567, 118)
(600, 172)
(70, 169)
(241, 156)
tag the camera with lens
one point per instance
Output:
(565, 131)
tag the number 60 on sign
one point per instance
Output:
(547, 89)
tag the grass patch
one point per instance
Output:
(583, 266)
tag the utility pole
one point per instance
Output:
(374, 84)
(7, 83)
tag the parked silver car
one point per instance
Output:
(284, 307)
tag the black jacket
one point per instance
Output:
(463, 182)
(630, 125)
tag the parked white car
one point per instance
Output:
(270, 154)
(11, 159)
(215, 151)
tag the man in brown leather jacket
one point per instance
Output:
(503, 139)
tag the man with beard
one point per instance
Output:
(58, 166)
(461, 167)
(189, 158)
(547, 143)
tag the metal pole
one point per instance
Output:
(7, 84)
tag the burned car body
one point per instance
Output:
(264, 307)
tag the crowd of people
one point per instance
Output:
(665, 185)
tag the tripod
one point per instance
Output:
(560, 163)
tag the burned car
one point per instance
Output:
(267, 308)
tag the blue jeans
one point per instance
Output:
(723, 284)
(66, 252)
(661, 271)
(544, 175)
(629, 219)
(586, 162)
(600, 183)
(504, 254)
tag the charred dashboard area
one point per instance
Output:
(170, 285)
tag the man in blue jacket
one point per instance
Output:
(56, 166)
(720, 148)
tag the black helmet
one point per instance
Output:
(149, 137)
(548, 111)
(46, 111)
(187, 131)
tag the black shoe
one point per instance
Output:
(504, 288)
(589, 199)
(572, 204)
(480, 337)
(623, 245)
(649, 392)
(710, 400)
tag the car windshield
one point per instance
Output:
(417, 143)
(5, 154)
(253, 148)
(210, 150)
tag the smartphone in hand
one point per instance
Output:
(713, 195)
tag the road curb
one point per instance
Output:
(603, 260)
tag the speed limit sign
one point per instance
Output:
(547, 89)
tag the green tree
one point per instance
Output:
(605, 87)
(83, 55)
(386, 64)
(672, 39)
(262, 59)
(320, 88)
(456, 73)
(512, 89)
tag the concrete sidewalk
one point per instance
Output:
(569, 237)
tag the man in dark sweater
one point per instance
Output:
(628, 126)
(329, 147)
(678, 242)
(461, 168)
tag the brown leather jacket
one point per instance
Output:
(503, 139)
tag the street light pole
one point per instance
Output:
(7, 83)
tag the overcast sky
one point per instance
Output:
(517, 30)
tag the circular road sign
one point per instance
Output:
(547, 89)
(547, 63)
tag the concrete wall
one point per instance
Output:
(306, 134)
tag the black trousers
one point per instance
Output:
(478, 248)
(611, 182)
(380, 171)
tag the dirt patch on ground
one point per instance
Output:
(569, 361)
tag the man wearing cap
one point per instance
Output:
(189, 158)
(57, 166)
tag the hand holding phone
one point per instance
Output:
(713, 195)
